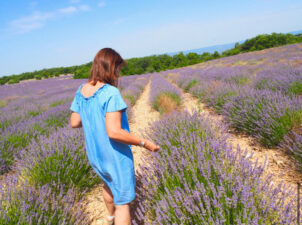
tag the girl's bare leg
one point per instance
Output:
(108, 198)
(122, 215)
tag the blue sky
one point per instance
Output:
(52, 33)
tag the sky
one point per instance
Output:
(54, 33)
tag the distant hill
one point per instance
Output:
(210, 49)
(218, 48)
(296, 32)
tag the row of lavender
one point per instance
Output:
(22, 101)
(265, 101)
(197, 178)
(52, 175)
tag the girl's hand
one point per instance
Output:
(151, 146)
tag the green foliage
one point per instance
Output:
(38, 74)
(296, 88)
(9, 142)
(38, 77)
(281, 127)
(57, 103)
(264, 41)
(55, 121)
(161, 108)
(3, 103)
(221, 99)
(190, 84)
(33, 113)
(240, 80)
(62, 166)
(13, 81)
(83, 71)
(130, 98)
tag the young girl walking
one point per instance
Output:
(99, 108)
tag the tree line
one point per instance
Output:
(156, 63)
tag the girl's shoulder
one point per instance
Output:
(80, 87)
(112, 90)
(78, 92)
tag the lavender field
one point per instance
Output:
(196, 177)
(257, 93)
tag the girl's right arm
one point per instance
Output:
(75, 120)
(115, 131)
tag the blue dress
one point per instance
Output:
(111, 160)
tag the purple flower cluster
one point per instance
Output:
(196, 178)
(285, 79)
(265, 114)
(59, 159)
(292, 143)
(125, 81)
(24, 204)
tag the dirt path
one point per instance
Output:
(279, 163)
(142, 115)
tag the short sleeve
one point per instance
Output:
(115, 103)
(75, 105)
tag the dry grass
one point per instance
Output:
(3, 103)
(167, 105)
(295, 63)
(172, 76)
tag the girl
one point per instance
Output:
(99, 108)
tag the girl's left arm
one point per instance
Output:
(75, 120)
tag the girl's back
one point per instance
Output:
(103, 152)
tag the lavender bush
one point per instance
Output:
(264, 114)
(59, 159)
(292, 143)
(285, 79)
(197, 178)
(33, 206)
(19, 135)
(125, 81)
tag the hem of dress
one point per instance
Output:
(113, 193)
(125, 202)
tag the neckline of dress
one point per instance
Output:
(93, 95)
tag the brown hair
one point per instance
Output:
(106, 67)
